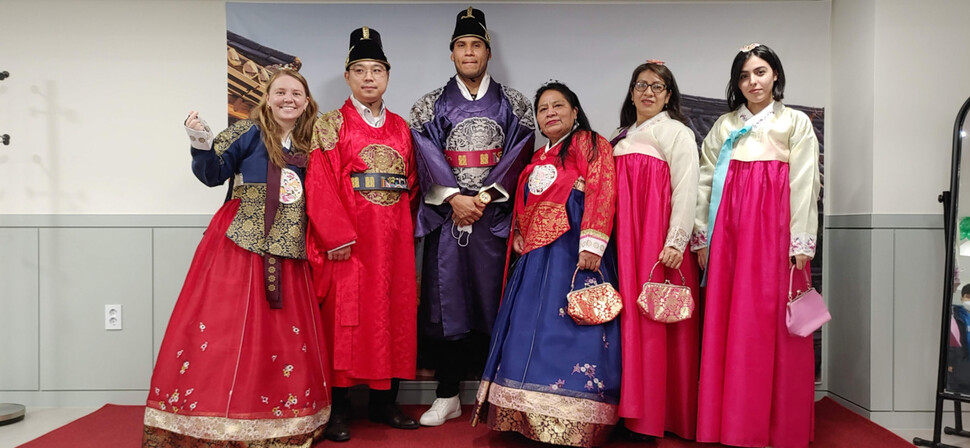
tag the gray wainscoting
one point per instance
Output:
(884, 278)
(19, 310)
(58, 272)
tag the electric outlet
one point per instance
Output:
(112, 317)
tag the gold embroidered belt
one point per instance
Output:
(473, 159)
(379, 181)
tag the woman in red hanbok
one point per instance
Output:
(756, 218)
(243, 363)
(656, 165)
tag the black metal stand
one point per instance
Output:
(958, 415)
(949, 199)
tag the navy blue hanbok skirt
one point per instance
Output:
(546, 377)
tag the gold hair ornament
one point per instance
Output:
(749, 47)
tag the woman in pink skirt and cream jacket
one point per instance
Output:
(656, 164)
(757, 217)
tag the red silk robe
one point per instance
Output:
(370, 300)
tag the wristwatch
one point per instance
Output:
(484, 197)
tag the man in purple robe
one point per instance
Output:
(472, 138)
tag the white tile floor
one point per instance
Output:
(37, 422)
(40, 421)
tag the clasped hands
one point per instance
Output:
(466, 210)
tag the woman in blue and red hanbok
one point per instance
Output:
(656, 168)
(547, 377)
(242, 363)
(756, 218)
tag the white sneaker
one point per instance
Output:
(442, 409)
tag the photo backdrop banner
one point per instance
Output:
(593, 48)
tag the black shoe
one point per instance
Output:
(633, 436)
(337, 429)
(392, 415)
(640, 438)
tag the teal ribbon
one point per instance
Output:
(717, 188)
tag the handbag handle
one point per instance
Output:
(572, 284)
(650, 277)
(791, 276)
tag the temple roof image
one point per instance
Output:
(250, 65)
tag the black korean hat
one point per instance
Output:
(470, 23)
(365, 45)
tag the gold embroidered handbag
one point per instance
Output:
(597, 303)
(666, 302)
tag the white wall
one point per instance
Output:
(848, 121)
(899, 76)
(96, 93)
(98, 88)
(922, 78)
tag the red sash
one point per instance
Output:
(473, 159)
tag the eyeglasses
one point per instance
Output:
(360, 72)
(656, 87)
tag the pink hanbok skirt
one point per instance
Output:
(660, 361)
(756, 381)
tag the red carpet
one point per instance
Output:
(120, 427)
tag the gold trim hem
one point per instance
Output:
(233, 429)
(546, 429)
(160, 438)
(555, 406)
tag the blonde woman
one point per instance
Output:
(242, 362)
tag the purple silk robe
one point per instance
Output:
(462, 279)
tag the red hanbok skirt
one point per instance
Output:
(660, 361)
(231, 370)
(757, 382)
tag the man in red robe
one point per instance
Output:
(360, 184)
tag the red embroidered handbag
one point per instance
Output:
(595, 304)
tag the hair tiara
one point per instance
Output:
(749, 47)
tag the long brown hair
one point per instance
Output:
(628, 112)
(302, 133)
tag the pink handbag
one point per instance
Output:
(665, 302)
(806, 311)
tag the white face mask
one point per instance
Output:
(966, 305)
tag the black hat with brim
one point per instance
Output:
(365, 45)
(470, 23)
